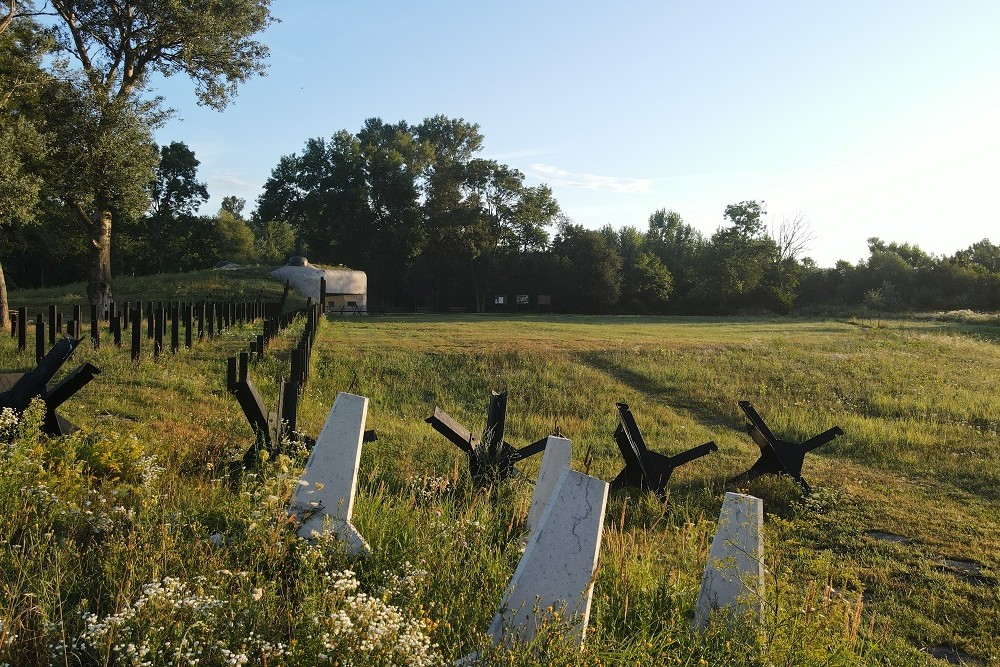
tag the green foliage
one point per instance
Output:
(163, 239)
(175, 191)
(23, 140)
(395, 199)
(235, 239)
(274, 242)
(108, 142)
(591, 275)
(737, 259)
(20, 143)
(102, 155)
(23, 136)
(234, 205)
(212, 44)
(652, 282)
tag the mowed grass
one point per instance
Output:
(919, 460)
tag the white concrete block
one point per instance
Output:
(734, 574)
(327, 486)
(558, 566)
(555, 459)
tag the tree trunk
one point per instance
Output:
(4, 304)
(99, 266)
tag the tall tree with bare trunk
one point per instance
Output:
(118, 45)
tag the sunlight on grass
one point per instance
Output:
(128, 538)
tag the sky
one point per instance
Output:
(862, 118)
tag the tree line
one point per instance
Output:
(433, 224)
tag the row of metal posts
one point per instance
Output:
(284, 421)
(210, 319)
(299, 361)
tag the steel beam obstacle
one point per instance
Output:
(645, 469)
(17, 389)
(270, 428)
(779, 457)
(491, 458)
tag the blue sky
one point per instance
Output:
(865, 118)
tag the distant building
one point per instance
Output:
(346, 289)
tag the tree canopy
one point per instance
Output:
(395, 196)
(104, 122)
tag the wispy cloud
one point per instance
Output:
(229, 181)
(561, 177)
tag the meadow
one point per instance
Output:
(127, 543)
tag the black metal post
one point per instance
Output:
(159, 320)
(136, 332)
(52, 325)
(289, 405)
(22, 328)
(95, 334)
(175, 328)
(39, 338)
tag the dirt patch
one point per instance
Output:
(881, 536)
(968, 571)
(951, 655)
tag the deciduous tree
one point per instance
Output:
(176, 195)
(737, 258)
(23, 138)
(503, 216)
(678, 245)
(118, 46)
(591, 269)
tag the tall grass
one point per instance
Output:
(128, 537)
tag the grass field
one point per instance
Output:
(113, 535)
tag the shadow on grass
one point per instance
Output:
(704, 412)
(707, 414)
